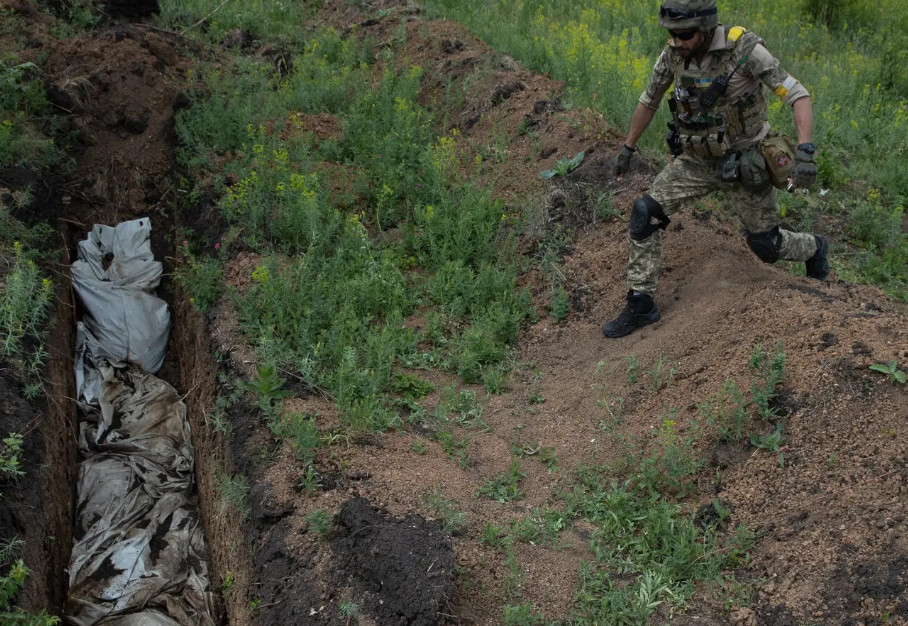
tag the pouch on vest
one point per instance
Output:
(779, 152)
(727, 167)
(754, 174)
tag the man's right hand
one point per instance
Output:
(622, 161)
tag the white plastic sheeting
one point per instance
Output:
(114, 278)
(139, 558)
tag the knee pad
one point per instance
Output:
(646, 209)
(766, 245)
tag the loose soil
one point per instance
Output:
(829, 512)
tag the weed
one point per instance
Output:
(728, 412)
(200, 278)
(348, 609)
(632, 371)
(891, 370)
(466, 408)
(24, 303)
(232, 491)
(561, 304)
(411, 387)
(540, 527)
(670, 468)
(9, 456)
(227, 582)
(524, 614)
(495, 380)
(254, 603)
(9, 549)
(605, 208)
(319, 521)
(310, 481)
(267, 385)
(10, 584)
(537, 398)
(769, 372)
(453, 518)
(771, 442)
(419, 447)
(454, 447)
(302, 432)
(549, 458)
(494, 536)
(660, 376)
(564, 166)
(505, 487)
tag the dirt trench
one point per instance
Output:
(118, 88)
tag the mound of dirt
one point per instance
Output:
(404, 567)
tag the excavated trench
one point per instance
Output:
(121, 87)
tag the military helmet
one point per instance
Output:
(686, 14)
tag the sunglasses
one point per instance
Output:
(684, 35)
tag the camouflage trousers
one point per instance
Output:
(687, 178)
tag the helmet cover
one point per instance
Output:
(688, 14)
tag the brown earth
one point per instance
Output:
(831, 518)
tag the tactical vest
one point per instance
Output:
(712, 131)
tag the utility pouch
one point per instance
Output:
(727, 169)
(703, 145)
(779, 152)
(754, 174)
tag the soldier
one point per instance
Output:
(719, 135)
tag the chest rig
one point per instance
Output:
(707, 119)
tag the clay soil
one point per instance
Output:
(829, 512)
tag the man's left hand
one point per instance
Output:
(805, 172)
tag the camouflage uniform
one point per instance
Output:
(693, 174)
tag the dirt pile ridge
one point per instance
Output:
(829, 511)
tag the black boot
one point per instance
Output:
(818, 264)
(640, 310)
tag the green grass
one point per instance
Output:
(328, 301)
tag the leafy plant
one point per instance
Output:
(891, 370)
(10, 584)
(267, 384)
(310, 481)
(319, 521)
(494, 536)
(632, 372)
(524, 614)
(560, 305)
(348, 609)
(302, 432)
(9, 456)
(505, 487)
(564, 166)
(227, 582)
(200, 277)
(452, 516)
(769, 372)
(728, 412)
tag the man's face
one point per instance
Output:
(686, 42)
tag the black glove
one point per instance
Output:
(622, 162)
(805, 172)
